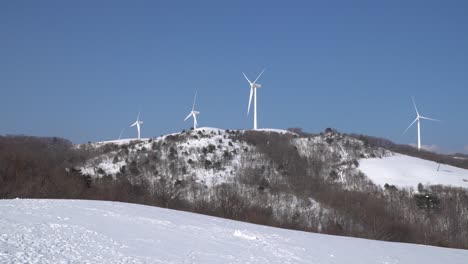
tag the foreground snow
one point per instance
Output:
(405, 171)
(70, 231)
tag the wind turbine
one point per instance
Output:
(253, 91)
(121, 132)
(138, 123)
(193, 113)
(418, 118)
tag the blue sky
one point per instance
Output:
(83, 69)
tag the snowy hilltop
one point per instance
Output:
(71, 231)
(213, 156)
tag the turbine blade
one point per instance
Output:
(414, 103)
(432, 119)
(247, 78)
(259, 76)
(410, 125)
(195, 120)
(194, 99)
(188, 116)
(250, 99)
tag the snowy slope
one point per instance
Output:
(275, 130)
(118, 141)
(225, 156)
(68, 231)
(405, 171)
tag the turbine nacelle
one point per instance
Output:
(192, 113)
(137, 123)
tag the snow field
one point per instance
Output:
(78, 231)
(405, 171)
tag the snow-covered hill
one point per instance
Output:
(73, 231)
(206, 158)
(214, 156)
(206, 155)
(405, 171)
(279, 178)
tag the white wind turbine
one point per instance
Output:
(138, 123)
(121, 133)
(253, 91)
(418, 118)
(193, 113)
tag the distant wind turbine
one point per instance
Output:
(138, 123)
(253, 91)
(418, 119)
(193, 113)
(121, 133)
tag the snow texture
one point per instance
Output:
(119, 141)
(405, 171)
(72, 231)
(274, 130)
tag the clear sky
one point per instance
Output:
(83, 69)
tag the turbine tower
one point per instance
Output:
(418, 119)
(138, 123)
(253, 91)
(193, 113)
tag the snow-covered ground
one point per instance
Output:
(72, 231)
(405, 171)
(119, 141)
(275, 130)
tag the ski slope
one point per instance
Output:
(78, 231)
(405, 171)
